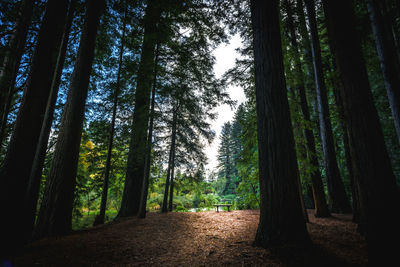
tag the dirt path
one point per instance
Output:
(195, 239)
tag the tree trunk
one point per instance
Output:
(373, 173)
(171, 190)
(32, 194)
(137, 149)
(281, 217)
(103, 204)
(389, 61)
(170, 162)
(14, 173)
(55, 213)
(11, 62)
(339, 103)
(145, 187)
(336, 191)
(320, 205)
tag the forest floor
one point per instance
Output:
(196, 239)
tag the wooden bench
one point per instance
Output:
(222, 205)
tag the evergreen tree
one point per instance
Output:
(281, 222)
(55, 213)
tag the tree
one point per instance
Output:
(100, 218)
(337, 194)
(320, 205)
(14, 173)
(32, 192)
(225, 157)
(56, 208)
(390, 64)
(11, 61)
(281, 218)
(137, 148)
(374, 177)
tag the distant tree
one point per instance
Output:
(281, 222)
(225, 157)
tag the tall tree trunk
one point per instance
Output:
(145, 187)
(32, 194)
(170, 162)
(281, 217)
(336, 191)
(14, 173)
(339, 103)
(371, 164)
(387, 56)
(11, 62)
(171, 190)
(320, 205)
(137, 148)
(103, 204)
(55, 213)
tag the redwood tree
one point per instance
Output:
(137, 147)
(336, 191)
(281, 218)
(320, 205)
(11, 61)
(378, 192)
(14, 173)
(390, 64)
(55, 214)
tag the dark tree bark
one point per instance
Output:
(170, 162)
(320, 205)
(103, 204)
(339, 103)
(373, 173)
(32, 193)
(11, 62)
(171, 190)
(14, 173)
(390, 65)
(137, 148)
(145, 187)
(55, 213)
(336, 191)
(281, 217)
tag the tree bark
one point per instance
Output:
(103, 204)
(336, 191)
(32, 194)
(137, 148)
(171, 190)
(145, 187)
(371, 164)
(11, 62)
(55, 213)
(389, 62)
(170, 162)
(281, 217)
(320, 205)
(14, 173)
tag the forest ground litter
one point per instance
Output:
(196, 239)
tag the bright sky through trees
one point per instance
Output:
(225, 59)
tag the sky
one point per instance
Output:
(225, 59)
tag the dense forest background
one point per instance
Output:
(106, 107)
